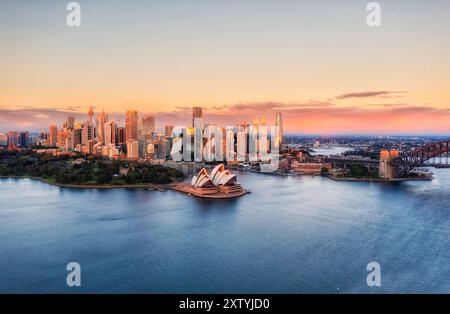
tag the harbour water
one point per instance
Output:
(291, 235)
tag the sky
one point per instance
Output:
(316, 62)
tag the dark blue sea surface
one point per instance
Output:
(291, 234)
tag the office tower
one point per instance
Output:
(132, 149)
(121, 136)
(148, 124)
(77, 136)
(53, 135)
(131, 125)
(146, 132)
(279, 129)
(70, 123)
(150, 151)
(169, 129)
(110, 133)
(242, 144)
(102, 118)
(263, 143)
(43, 135)
(69, 145)
(188, 144)
(24, 138)
(62, 136)
(90, 147)
(3, 139)
(160, 148)
(87, 133)
(90, 114)
(198, 144)
(197, 117)
(253, 140)
(13, 138)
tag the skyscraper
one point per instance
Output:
(169, 129)
(70, 123)
(121, 136)
(3, 139)
(90, 113)
(132, 149)
(53, 135)
(197, 117)
(24, 139)
(110, 133)
(146, 132)
(131, 125)
(148, 124)
(87, 133)
(77, 136)
(62, 137)
(279, 128)
(102, 118)
(13, 138)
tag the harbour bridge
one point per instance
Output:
(435, 154)
(432, 154)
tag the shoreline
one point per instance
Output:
(148, 186)
(379, 180)
(169, 186)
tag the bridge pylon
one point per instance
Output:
(387, 170)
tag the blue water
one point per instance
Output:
(292, 234)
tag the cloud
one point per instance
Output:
(33, 119)
(318, 117)
(387, 105)
(261, 106)
(383, 94)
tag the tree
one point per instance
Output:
(359, 171)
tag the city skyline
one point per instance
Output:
(324, 69)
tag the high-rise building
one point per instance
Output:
(102, 118)
(43, 135)
(110, 133)
(197, 117)
(70, 123)
(169, 129)
(90, 113)
(69, 145)
(279, 128)
(62, 137)
(160, 148)
(77, 136)
(87, 133)
(132, 149)
(146, 132)
(13, 138)
(148, 124)
(121, 136)
(242, 144)
(131, 125)
(53, 135)
(24, 138)
(3, 139)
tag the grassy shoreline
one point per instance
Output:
(97, 186)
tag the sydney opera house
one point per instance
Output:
(220, 183)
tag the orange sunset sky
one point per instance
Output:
(317, 62)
